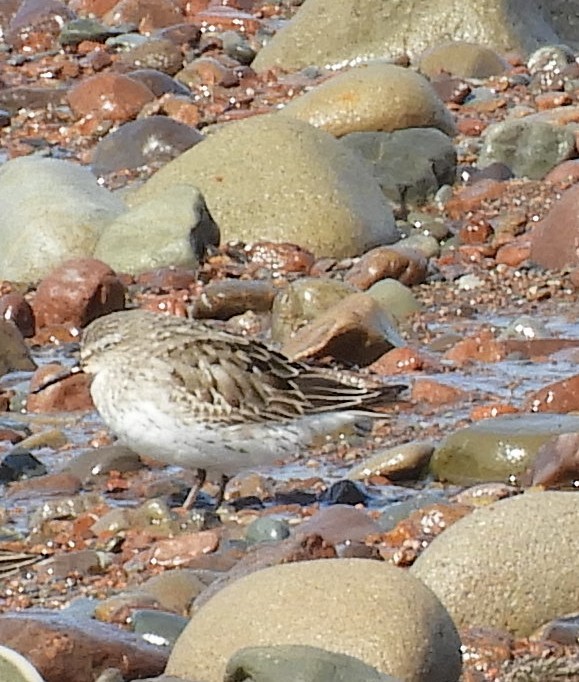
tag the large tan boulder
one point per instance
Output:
(509, 565)
(277, 179)
(360, 607)
(334, 34)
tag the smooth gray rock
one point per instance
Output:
(508, 565)
(529, 148)
(174, 228)
(394, 297)
(274, 178)
(50, 211)
(360, 607)
(410, 165)
(329, 33)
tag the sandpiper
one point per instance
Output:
(196, 396)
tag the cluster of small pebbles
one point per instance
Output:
(344, 182)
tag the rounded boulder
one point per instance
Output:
(359, 607)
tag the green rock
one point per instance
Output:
(295, 663)
(394, 297)
(498, 449)
(15, 668)
(409, 165)
(529, 148)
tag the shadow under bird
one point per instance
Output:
(192, 395)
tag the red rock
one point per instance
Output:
(338, 523)
(69, 394)
(471, 126)
(398, 361)
(555, 240)
(148, 15)
(480, 348)
(208, 71)
(51, 484)
(550, 100)
(352, 331)
(16, 308)
(166, 279)
(557, 462)
(77, 292)
(223, 18)
(97, 8)
(406, 265)
(471, 197)
(492, 410)
(514, 253)
(281, 257)
(178, 551)
(181, 109)
(69, 649)
(560, 396)
(37, 23)
(476, 231)
(435, 393)
(566, 171)
(109, 96)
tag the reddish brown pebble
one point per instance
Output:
(398, 361)
(352, 331)
(550, 100)
(560, 396)
(69, 648)
(557, 462)
(68, 394)
(52, 484)
(406, 265)
(476, 231)
(16, 308)
(148, 15)
(480, 348)
(493, 410)
(566, 171)
(515, 253)
(166, 279)
(109, 96)
(77, 292)
(223, 18)
(280, 257)
(472, 196)
(554, 240)
(435, 393)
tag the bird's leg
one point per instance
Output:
(200, 477)
(222, 485)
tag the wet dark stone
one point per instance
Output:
(26, 97)
(494, 171)
(247, 502)
(159, 83)
(301, 497)
(156, 139)
(4, 118)
(344, 492)
(563, 630)
(19, 465)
